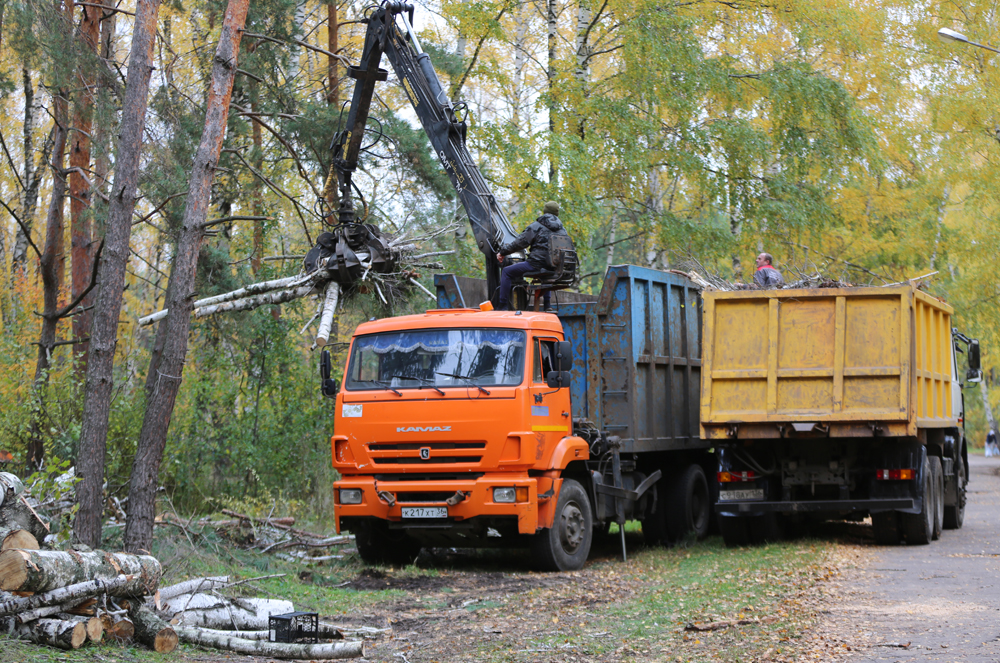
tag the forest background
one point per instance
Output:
(840, 136)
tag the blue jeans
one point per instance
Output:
(507, 276)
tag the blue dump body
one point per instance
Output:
(636, 354)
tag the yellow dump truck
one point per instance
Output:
(836, 402)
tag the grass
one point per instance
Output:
(608, 611)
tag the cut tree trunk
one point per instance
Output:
(17, 538)
(111, 279)
(46, 570)
(208, 611)
(92, 625)
(329, 309)
(153, 632)
(321, 652)
(160, 406)
(191, 586)
(17, 515)
(63, 595)
(122, 631)
(54, 633)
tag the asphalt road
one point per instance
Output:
(939, 602)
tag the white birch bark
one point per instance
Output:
(60, 596)
(329, 309)
(320, 652)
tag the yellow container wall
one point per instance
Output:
(826, 355)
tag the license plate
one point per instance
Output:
(425, 512)
(743, 494)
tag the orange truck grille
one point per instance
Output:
(419, 454)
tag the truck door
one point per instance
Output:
(549, 414)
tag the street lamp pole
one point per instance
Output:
(946, 35)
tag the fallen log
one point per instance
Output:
(272, 522)
(45, 570)
(92, 625)
(54, 633)
(153, 632)
(63, 595)
(17, 538)
(325, 632)
(16, 514)
(320, 652)
(207, 611)
(192, 586)
(716, 626)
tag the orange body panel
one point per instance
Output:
(516, 436)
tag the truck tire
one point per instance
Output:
(937, 478)
(954, 515)
(566, 545)
(767, 528)
(734, 531)
(378, 545)
(918, 528)
(688, 506)
(886, 527)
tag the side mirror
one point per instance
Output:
(564, 356)
(557, 379)
(975, 372)
(330, 388)
(325, 365)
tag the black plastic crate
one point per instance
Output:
(300, 627)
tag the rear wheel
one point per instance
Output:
(886, 527)
(937, 479)
(379, 545)
(734, 531)
(918, 528)
(954, 515)
(688, 506)
(566, 545)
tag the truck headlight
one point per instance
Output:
(350, 496)
(504, 495)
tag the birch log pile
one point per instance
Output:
(45, 570)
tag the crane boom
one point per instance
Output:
(437, 116)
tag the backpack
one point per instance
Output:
(561, 246)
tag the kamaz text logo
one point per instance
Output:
(423, 429)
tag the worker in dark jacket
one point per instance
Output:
(535, 238)
(766, 275)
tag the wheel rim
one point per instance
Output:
(571, 531)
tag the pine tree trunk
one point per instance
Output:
(159, 408)
(46, 570)
(333, 65)
(81, 231)
(111, 278)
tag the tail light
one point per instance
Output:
(730, 477)
(895, 475)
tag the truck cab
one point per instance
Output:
(449, 433)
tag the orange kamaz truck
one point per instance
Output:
(468, 427)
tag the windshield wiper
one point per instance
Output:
(386, 385)
(467, 379)
(410, 377)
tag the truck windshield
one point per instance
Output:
(431, 358)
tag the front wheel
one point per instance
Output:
(379, 545)
(566, 545)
